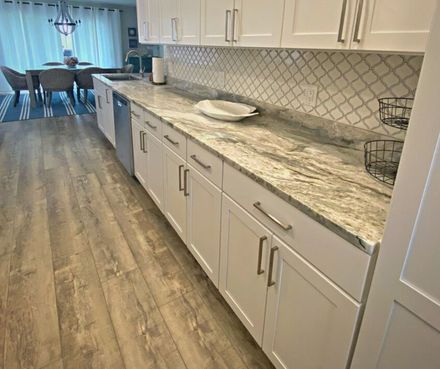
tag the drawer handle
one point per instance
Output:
(150, 125)
(175, 143)
(287, 227)
(271, 282)
(201, 163)
(181, 188)
(135, 114)
(260, 255)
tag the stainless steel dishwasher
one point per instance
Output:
(123, 138)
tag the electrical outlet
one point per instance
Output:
(309, 95)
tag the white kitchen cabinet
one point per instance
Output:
(257, 23)
(180, 22)
(216, 22)
(392, 25)
(104, 110)
(155, 187)
(204, 201)
(148, 21)
(139, 153)
(310, 322)
(245, 245)
(241, 22)
(174, 191)
(320, 24)
(388, 25)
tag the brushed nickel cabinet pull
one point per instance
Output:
(175, 143)
(185, 182)
(342, 22)
(201, 163)
(150, 125)
(106, 96)
(356, 37)
(180, 178)
(141, 141)
(287, 227)
(260, 255)
(99, 102)
(270, 282)
(234, 20)
(227, 17)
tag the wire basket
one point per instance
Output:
(395, 111)
(382, 159)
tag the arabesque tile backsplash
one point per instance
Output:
(348, 83)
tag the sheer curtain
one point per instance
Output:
(98, 39)
(26, 39)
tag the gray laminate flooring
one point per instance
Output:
(91, 274)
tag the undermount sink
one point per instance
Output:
(121, 77)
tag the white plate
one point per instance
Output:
(225, 110)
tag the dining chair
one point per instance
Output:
(57, 80)
(18, 83)
(128, 68)
(53, 63)
(85, 63)
(84, 81)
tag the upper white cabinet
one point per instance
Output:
(216, 22)
(392, 25)
(309, 322)
(242, 22)
(382, 25)
(148, 21)
(318, 23)
(257, 23)
(180, 22)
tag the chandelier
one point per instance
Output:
(64, 23)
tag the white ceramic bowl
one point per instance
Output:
(225, 110)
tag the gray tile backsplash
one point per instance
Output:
(348, 83)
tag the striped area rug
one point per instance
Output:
(60, 107)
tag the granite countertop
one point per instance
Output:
(322, 176)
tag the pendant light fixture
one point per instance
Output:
(64, 23)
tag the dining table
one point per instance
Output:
(35, 71)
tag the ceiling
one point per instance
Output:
(106, 2)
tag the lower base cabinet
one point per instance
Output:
(204, 204)
(245, 245)
(174, 192)
(154, 187)
(310, 322)
(139, 154)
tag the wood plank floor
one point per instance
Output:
(91, 274)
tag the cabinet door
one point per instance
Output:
(139, 155)
(153, 22)
(325, 24)
(188, 23)
(99, 110)
(175, 200)
(168, 21)
(243, 274)
(204, 216)
(216, 22)
(393, 25)
(310, 323)
(154, 150)
(258, 22)
(142, 19)
(109, 116)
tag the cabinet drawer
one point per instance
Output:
(152, 124)
(341, 261)
(174, 140)
(206, 163)
(137, 113)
